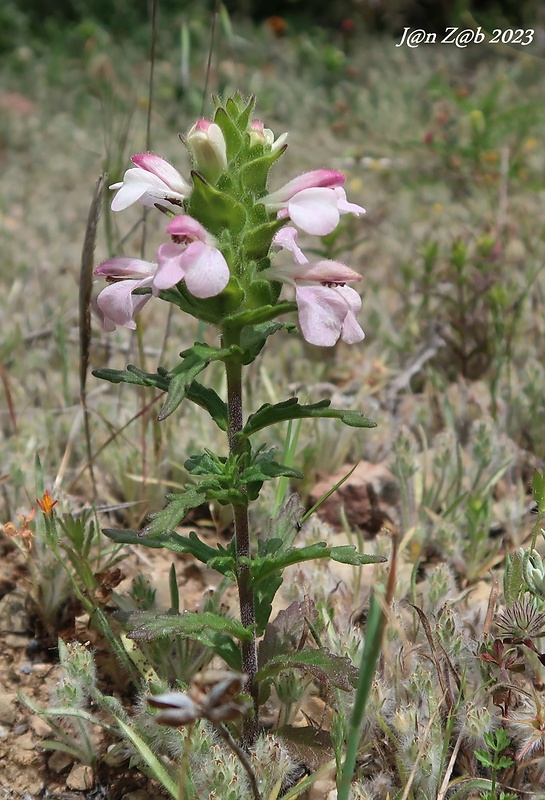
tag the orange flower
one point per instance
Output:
(277, 25)
(47, 503)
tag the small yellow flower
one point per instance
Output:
(47, 503)
(490, 157)
(529, 144)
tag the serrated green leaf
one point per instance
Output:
(262, 566)
(220, 559)
(324, 666)
(347, 554)
(177, 392)
(208, 399)
(132, 375)
(271, 414)
(200, 395)
(263, 471)
(132, 537)
(195, 360)
(484, 758)
(148, 626)
(264, 595)
(208, 463)
(178, 505)
(254, 337)
(200, 550)
(225, 479)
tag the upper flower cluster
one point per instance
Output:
(226, 226)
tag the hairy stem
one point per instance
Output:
(233, 370)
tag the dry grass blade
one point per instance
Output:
(85, 288)
(443, 789)
(9, 397)
(443, 669)
(491, 608)
(86, 280)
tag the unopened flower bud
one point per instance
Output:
(264, 136)
(207, 146)
(534, 574)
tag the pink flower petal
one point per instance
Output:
(344, 206)
(351, 331)
(321, 314)
(125, 268)
(325, 271)
(164, 171)
(314, 211)
(287, 239)
(207, 273)
(97, 312)
(170, 269)
(119, 305)
(130, 190)
(309, 180)
(148, 189)
(184, 225)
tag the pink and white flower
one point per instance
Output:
(191, 257)
(314, 201)
(153, 181)
(117, 303)
(326, 306)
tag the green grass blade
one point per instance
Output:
(371, 651)
(157, 769)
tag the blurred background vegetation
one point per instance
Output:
(43, 21)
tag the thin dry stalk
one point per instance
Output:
(441, 794)
(412, 773)
(85, 289)
(9, 397)
(492, 600)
